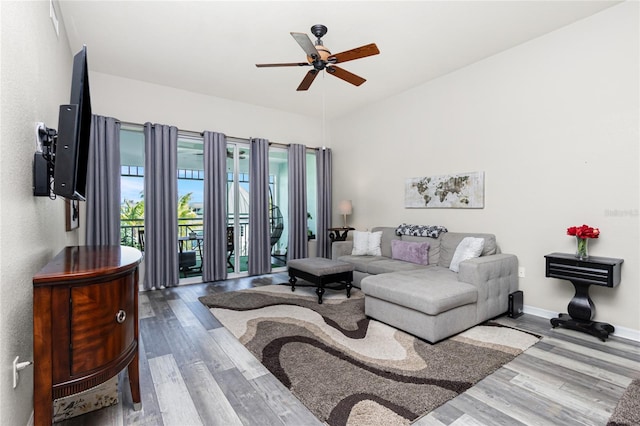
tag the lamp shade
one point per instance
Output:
(345, 207)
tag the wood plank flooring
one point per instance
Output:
(194, 372)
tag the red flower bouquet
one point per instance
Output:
(582, 234)
(583, 231)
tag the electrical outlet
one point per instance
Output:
(39, 126)
(15, 372)
(17, 366)
(521, 271)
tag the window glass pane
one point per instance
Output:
(278, 205)
(132, 165)
(238, 205)
(190, 184)
(190, 204)
(131, 187)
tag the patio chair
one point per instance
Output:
(277, 225)
(230, 246)
(187, 260)
(141, 240)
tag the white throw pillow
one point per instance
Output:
(366, 243)
(468, 248)
(373, 248)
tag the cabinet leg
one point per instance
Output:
(292, 281)
(600, 330)
(320, 292)
(581, 307)
(134, 382)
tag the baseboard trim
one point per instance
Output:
(624, 332)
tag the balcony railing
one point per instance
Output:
(132, 234)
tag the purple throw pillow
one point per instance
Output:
(410, 251)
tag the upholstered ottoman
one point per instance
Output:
(320, 272)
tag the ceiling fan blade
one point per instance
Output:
(308, 79)
(347, 76)
(357, 53)
(307, 45)
(286, 64)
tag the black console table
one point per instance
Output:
(603, 271)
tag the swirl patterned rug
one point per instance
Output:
(351, 370)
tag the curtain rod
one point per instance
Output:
(199, 134)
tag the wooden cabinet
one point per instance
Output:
(85, 323)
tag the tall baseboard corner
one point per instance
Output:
(543, 313)
(624, 332)
(627, 333)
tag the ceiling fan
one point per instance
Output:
(241, 154)
(198, 151)
(321, 58)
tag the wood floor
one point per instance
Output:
(194, 372)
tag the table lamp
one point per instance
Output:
(345, 208)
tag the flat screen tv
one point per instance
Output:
(74, 127)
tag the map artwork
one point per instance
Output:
(460, 191)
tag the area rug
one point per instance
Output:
(351, 370)
(627, 412)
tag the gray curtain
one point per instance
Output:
(103, 183)
(161, 206)
(259, 238)
(323, 165)
(214, 254)
(298, 242)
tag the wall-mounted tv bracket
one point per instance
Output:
(43, 161)
(48, 138)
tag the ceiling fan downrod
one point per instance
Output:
(319, 31)
(320, 62)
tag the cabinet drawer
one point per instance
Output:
(596, 270)
(594, 275)
(101, 323)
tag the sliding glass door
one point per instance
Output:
(278, 206)
(237, 207)
(190, 180)
(190, 205)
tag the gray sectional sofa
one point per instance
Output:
(432, 301)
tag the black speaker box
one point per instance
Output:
(515, 304)
(41, 183)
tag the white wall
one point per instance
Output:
(139, 102)
(36, 79)
(553, 123)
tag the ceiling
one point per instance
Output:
(211, 47)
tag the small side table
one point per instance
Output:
(602, 271)
(339, 234)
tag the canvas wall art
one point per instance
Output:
(457, 191)
(72, 209)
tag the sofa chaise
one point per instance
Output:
(426, 295)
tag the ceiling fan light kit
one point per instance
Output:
(321, 58)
